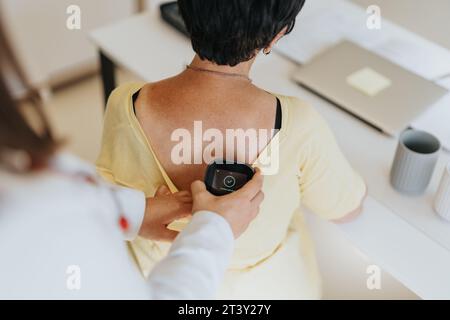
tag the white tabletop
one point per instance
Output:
(401, 234)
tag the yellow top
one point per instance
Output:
(312, 172)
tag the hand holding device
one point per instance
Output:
(239, 208)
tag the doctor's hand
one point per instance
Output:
(239, 208)
(163, 209)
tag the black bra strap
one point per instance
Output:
(135, 97)
(279, 116)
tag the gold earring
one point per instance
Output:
(267, 52)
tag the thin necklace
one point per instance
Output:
(225, 74)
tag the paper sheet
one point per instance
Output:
(437, 121)
(324, 23)
(444, 82)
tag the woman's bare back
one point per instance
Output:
(212, 102)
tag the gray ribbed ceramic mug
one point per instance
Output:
(415, 161)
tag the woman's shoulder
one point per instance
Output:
(123, 94)
(301, 115)
(119, 104)
(126, 89)
(124, 156)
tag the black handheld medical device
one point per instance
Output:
(223, 177)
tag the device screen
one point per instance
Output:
(228, 181)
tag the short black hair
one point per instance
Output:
(228, 32)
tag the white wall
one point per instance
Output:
(46, 49)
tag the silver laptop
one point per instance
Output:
(378, 92)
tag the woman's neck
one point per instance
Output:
(240, 69)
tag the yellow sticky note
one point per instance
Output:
(368, 81)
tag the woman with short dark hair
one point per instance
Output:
(144, 145)
(232, 32)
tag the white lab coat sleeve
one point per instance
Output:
(197, 261)
(133, 204)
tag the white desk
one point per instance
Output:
(402, 235)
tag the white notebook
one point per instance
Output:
(437, 121)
